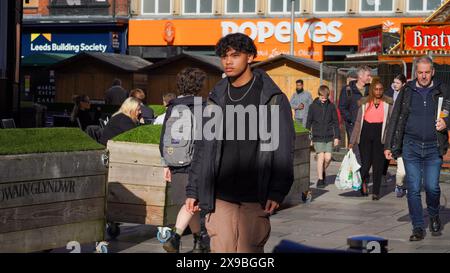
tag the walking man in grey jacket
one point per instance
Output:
(300, 102)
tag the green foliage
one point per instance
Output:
(299, 128)
(158, 109)
(147, 134)
(45, 140)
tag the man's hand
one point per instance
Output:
(192, 205)
(167, 174)
(301, 106)
(388, 154)
(271, 206)
(440, 124)
(350, 146)
(336, 142)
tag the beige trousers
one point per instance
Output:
(238, 228)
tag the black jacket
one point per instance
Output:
(117, 125)
(116, 95)
(322, 118)
(275, 168)
(85, 118)
(396, 129)
(147, 113)
(389, 92)
(348, 105)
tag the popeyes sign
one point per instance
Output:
(272, 36)
(318, 32)
(426, 36)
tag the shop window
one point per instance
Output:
(156, 6)
(283, 6)
(240, 6)
(329, 6)
(377, 5)
(197, 6)
(423, 5)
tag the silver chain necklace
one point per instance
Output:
(248, 90)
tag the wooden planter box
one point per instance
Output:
(50, 199)
(301, 169)
(137, 192)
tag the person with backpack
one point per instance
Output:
(323, 121)
(351, 94)
(177, 153)
(241, 179)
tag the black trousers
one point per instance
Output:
(372, 154)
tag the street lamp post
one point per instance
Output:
(291, 51)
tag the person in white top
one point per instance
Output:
(166, 98)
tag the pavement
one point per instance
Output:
(326, 222)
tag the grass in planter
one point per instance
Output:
(150, 134)
(45, 140)
(299, 128)
(158, 109)
(147, 134)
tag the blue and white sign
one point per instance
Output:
(70, 43)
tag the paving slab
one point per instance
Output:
(326, 222)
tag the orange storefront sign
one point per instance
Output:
(426, 36)
(272, 36)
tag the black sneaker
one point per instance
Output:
(201, 243)
(417, 235)
(320, 183)
(173, 244)
(435, 225)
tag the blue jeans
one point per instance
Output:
(422, 163)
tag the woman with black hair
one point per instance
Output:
(80, 113)
(369, 133)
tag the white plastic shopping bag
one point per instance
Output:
(348, 176)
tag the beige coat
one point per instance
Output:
(387, 104)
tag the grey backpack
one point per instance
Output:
(178, 140)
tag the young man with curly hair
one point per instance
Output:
(237, 182)
(190, 82)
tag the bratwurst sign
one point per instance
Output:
(426, 36)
